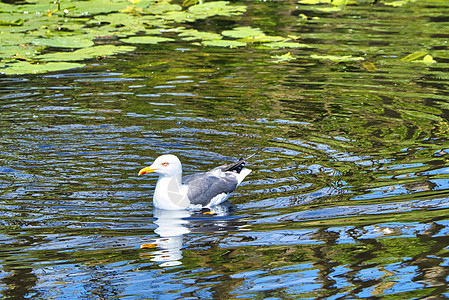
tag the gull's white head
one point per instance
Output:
(165, 165)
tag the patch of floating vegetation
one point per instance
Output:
(40, 37)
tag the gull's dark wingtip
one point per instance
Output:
(238, 165)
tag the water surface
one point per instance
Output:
(348, 197)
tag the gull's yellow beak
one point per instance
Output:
(146, 170)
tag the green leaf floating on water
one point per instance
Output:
(86, 53)
(131, 22)
(248, 34)
(18, 22)
(216, 8)
(203, 11)
(428, 59)
(334, 58)
(11, 52)
(243, 32)
(342, 2)
(329, 9)
(146, 40)
(414, 56)
(178, 17)
(90, 8)
(29, 29)
(17, 45)
(277, 45)
(283, 58)
(70, 41)
(188, 3)
(159, 8)
(193, 34)
(398, 2)
(224, 43)
(24, 67)
(335, 5)
(314, 2)
(261, 39)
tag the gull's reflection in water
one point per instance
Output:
(173, 224)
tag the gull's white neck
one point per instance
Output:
(168, 193)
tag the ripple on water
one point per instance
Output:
(347, 198)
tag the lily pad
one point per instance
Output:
(216, 8)
(334, 58)
(398, 3)
(224, 43)
(30, 28)
(413, 56)
(314, 1)
(428, 59)
(261, 39)
(146, 40)
(86, 53)
(369, 66)
(278, 45)
(117, 19)
(70, 41)
(193, 34)
(14, 39)
(90, 8)
(18, 52)
(329, 9)
(179, 17)
(243, 32)
(159, 8)
(24, 67)
(17, 22)
(188, 3)
(339, 2)
(6, 7)
(283, 58)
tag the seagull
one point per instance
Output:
(174, 192)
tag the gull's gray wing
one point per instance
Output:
(205, 186)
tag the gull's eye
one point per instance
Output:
(165, 164)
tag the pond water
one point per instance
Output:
(349, 194)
